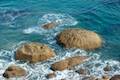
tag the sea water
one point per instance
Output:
(21, 21)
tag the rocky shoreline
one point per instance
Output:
(35, 52)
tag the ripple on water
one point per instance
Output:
(8, 15)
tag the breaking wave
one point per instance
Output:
(39, 70)
(61, 19)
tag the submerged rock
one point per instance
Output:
(68, 63)
(51, 75)
(82, 71)
(49, 25)
(34, 52)
(115, 77)
(14, 71)
(107, 68)
(79, 38)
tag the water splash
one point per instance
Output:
(61, 19)
(39, 70)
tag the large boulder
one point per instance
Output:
(14, 71)
(68, 63)
(34, 52)
(79, 38)
(115, 77)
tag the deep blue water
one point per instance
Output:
(101, 16)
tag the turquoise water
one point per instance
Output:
(20, 21)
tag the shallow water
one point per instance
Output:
(20, 21)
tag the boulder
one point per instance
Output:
(34, 52)
(49, 25)
(68, 63)
(14, 71)
(79, 38)
(51, 75)
(115, 77)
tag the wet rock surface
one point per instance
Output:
(34, 52)
(115, 77)
(82, 71)
(51, 75)
(68, 63)
(14, 71)
(79, 38)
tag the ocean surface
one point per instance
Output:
(21, 21)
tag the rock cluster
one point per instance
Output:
(70, 38)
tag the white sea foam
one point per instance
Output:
(39, 71)
(31, 30)
(60, 19)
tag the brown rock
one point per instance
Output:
(14, 71)
(79, 38)
(51, 75)
(49, 25)
(68, 63)
(115, 77)
(34, 52)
